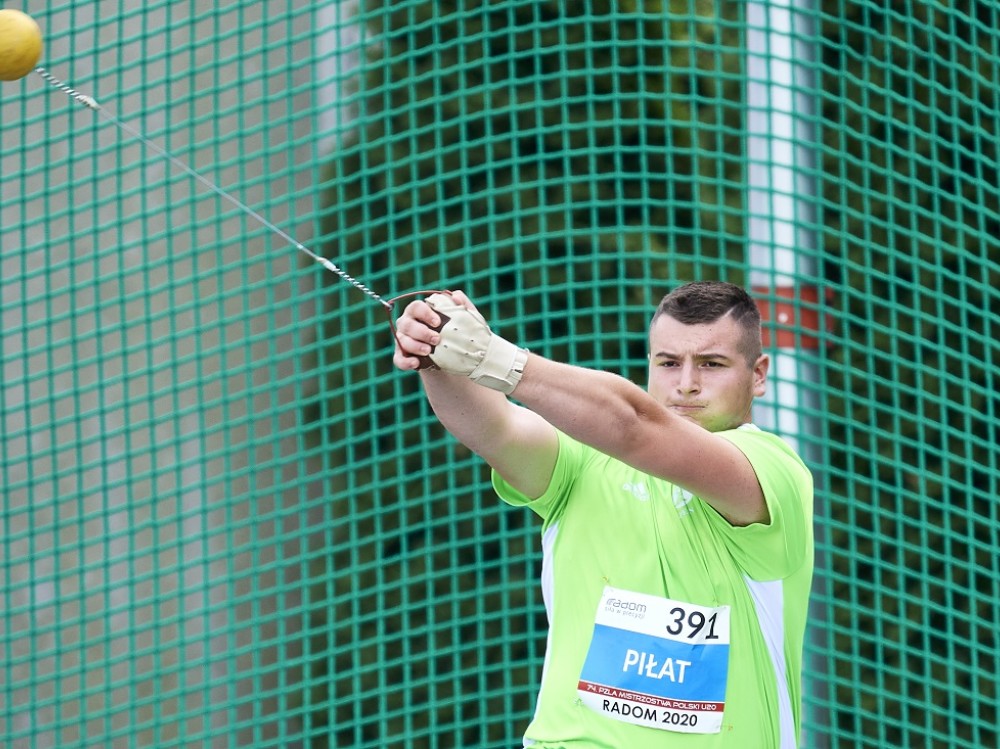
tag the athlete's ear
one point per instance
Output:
(760, 369)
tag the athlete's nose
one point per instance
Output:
(689, 380)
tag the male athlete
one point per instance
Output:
(677, 536)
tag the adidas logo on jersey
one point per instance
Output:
(637, 490)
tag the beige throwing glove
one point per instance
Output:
(468, 347)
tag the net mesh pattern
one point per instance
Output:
(228, 521)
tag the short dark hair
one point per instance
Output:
(703, 302)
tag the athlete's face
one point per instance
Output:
(700, 372)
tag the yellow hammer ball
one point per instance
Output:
(20, 44)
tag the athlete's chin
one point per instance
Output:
(685, 410)
(704, 418)
(694, 414)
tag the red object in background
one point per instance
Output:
(789, 316)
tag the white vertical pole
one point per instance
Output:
(782, 257)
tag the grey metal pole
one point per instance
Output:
(782, 263)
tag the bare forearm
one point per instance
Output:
(469, 412)
(517, 442)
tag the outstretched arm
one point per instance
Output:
(621, 419)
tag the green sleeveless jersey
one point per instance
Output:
(668, 627)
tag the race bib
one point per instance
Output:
(657, 662)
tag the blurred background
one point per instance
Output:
(227, 521)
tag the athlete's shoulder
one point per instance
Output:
(752, 439)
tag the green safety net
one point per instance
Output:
(228, 521)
